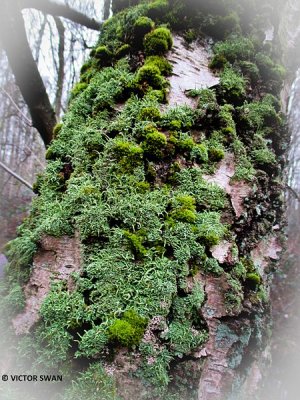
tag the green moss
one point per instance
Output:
(150, 74)
(207, 100)
(161, 63)
(135, 241)
(186, 201)
(268, 69)
(128, 154)
(57, 129)
(190, 35)
(211, 265)
(143, 187)
(250, 70)
(199, 153)
(183, 338)
(158, 42)
(154, 144)
(15, 300)
(157, 9)
(78, 88)
(260, 113)
(129, 330)
(85, 67)
(254, 278)
(215, 153)
(185, 144)
(142, 26)
(184, 215)
(103, 55)
(207, 195)
(149, 114)
(122, 51)
(183, 116)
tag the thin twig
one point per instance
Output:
(296, 195)
(18, 177)
(27, 120)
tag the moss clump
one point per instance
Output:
(78, 88)
(57, 129)
(142, 26)
(253, 277)
(157, 8)
(199, 153)
(122, 51)
(135, 241)
(150, 75)
(271, 73)
(149, 114)
(215, 153)
(128, 154)
(184, 209)
(158, 42)
(129, 330)
(104, 56)
(154, 144)
(185, 144)
(161, 63)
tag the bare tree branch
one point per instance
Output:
(40, 38)
(58, 9)
(296, 195)
(18, 177)
(27, 120)
(14, 41)
(61, 66)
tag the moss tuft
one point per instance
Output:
(158, 42)
(104, 56)
(150, 75)
(142, 26)
(122, 51)
(161, 63)
(129, 330)
(154, 144)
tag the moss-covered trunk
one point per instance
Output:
(172, 191)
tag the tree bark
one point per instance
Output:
(58, 9)
(61, 66)
(24, 68)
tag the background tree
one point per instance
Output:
(55, 38)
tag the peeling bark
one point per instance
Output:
(56, 259)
